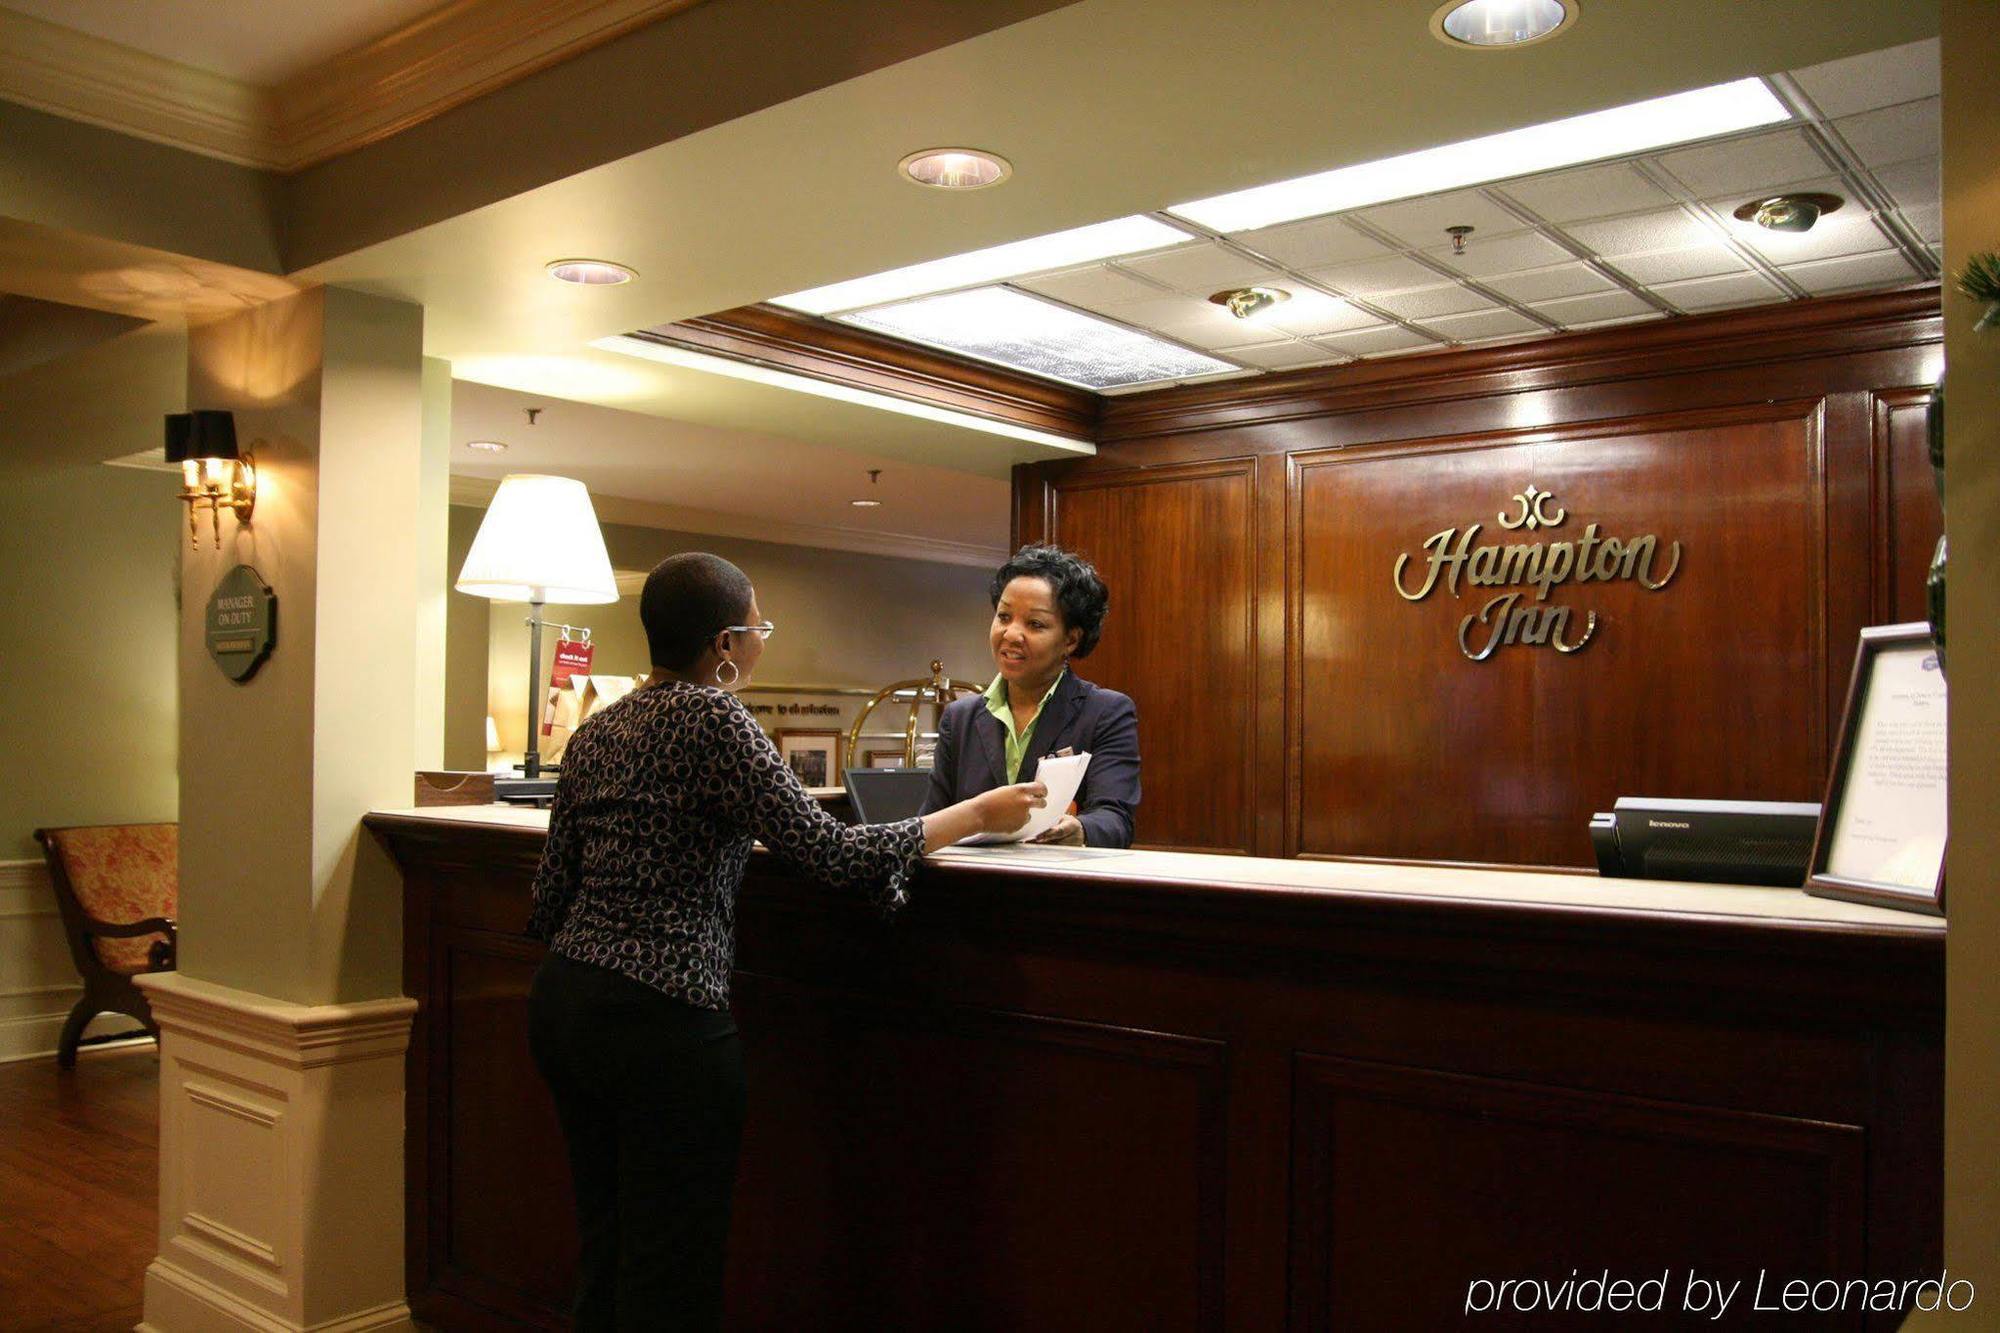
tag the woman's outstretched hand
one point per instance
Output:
(1002, 810)
(1005, 809)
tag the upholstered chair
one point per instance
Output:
(117, 886)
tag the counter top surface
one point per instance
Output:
(1492, 888)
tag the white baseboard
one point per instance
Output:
(34, 958)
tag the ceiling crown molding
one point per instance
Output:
(450, 56)
(80, 77)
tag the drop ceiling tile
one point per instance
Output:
(1756, 165)
(1912, 184)
(1419, 223)
(1592, 192)
(1702, 261)
(1282, 356)
(1310, 312)
(1893, 134)
(1201, 269)
(1928, 222)
(1642, 233)
(1850, 231)
(1483, 325)
(1489, 257)
(1096, 287)
(1200, 323)
(1873, 79)
(1314, 243)
(1422, 304)
(1546, 284)
(1576, 312)
(1731, 289)
(1394, 274)
(1376, 342)
(1884, 268)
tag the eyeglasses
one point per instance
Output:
(763, 631)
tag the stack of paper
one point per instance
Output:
(1062, 774)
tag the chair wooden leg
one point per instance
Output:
(72, 1031)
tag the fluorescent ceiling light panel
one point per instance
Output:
(782, 379)
(1079, 245)
(1010, 328)
(1618, 132)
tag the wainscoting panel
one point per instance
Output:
(38, 984)
(1642, 682)
(1156, 535)
(1587, 1183)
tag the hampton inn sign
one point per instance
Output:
(1528, 572)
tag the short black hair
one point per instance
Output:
(689, 599)
(1081, 598)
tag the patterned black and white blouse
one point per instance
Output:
(659, 799)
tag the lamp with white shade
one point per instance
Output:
(539, 543)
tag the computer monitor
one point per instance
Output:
(885, 795)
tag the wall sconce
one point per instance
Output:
(215, 474)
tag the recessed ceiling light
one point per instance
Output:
(1079, 245)
(487, 446)
(590, 272)
(1495, 25)
(1617, 132)
(1028, 333)
(955, 168)
(866, 504)
(688, 359)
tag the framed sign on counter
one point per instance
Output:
(1881, 835)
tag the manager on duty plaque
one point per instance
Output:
(242, 623)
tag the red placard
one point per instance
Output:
(572, 657)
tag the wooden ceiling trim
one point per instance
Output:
(843, 354)
(1825, 327)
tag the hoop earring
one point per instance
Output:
(733, 673)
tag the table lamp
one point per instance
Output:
(538, 543)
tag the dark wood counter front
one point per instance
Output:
(1149, 1091)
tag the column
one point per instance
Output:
(283, 1033)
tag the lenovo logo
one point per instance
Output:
(1665, 823)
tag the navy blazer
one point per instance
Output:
(972, 754)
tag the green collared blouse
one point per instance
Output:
(1017, 741)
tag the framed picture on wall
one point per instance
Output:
(813, 754)
(890, 758)
(1881, 835)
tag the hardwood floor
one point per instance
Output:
(79, 1190)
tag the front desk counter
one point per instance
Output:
(1077, 1089)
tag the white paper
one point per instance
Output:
(1063, 775)
(1890, 827)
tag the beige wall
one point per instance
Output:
(1972, 522)
(282, 893)
(843, 619)
(88, 558)
(468, 626)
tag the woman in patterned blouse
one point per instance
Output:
(660, 797)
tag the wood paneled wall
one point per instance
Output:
(1291, 702)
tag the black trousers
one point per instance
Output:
(650, 1094)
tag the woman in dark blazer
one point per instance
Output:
(1048, 607)
(628, 1016)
